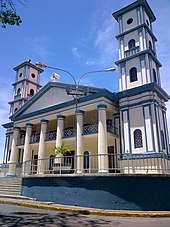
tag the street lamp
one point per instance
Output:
(75, 94)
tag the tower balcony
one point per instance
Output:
(132, 51)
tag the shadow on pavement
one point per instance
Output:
(41, 219)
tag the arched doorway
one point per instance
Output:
(86, 161)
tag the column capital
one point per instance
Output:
(102, 106)
(16, 128)
(80, 112)
(29, 125)
(44, 121)
(60, 116)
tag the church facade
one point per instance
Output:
(106, 131)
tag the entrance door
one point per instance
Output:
(111, 159)
(34, 164)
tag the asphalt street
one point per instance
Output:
(12, 215)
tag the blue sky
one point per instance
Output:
(77, 35)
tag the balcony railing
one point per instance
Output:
(71, 132)
(90, 129)
(112, 163)
(20, 141)
(35, 139)
(50, 136)
(132, 51)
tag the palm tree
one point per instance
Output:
(61, 150)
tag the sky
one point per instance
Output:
(76, 35)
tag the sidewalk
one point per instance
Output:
(30, 202)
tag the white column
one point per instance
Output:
(102, 140)
(41, 150)
(60, 127)
(79, 142)
(14, 153)
(27, 150)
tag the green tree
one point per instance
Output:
(8, 14)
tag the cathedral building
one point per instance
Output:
(102, 130)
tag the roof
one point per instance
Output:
(134, 5)
(29, 64)
(93, 92)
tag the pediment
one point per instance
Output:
(48, 96)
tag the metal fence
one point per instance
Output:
(157, 163)
(104, 163)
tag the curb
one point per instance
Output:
(90, 211)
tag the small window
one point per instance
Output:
(86, 160)
(147, 22)
(129, 21)
(150, 45)
(20, 75)
(15, 109)
(133, 74)
(163, 139)
(154, 76)
(31, 92)
(138, 138)
(131, 44)
(19, 91)
(33, 75)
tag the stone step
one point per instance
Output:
(10, 185)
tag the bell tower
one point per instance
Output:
(138, 63)
(141, 98)
(27, 83)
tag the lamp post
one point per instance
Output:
(75, 94)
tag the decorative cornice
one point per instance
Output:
(135, 5)
(60, 116)
(44, 121)
(80, 112)
(27, 63)
(29, 125)
(8, 125)
(102, 106)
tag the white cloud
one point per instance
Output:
(38, 45)
(105, 45)
(75, 52)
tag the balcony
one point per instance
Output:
(69, 132)
(132, 51)
(35, 139)
(50, 136)
(21, 141)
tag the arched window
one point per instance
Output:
(18, 91)
(150, 45)
(86, 160)
(138, 138)
(131, 44)
(133, 74)
(154, 76)
(163, 139)
(31, 92)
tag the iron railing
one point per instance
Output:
(132, 51)
(35, 139)
(50, 136)
(104, 163)
(21, 141)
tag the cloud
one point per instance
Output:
(75, 52)
(37, 45)
(106, 47)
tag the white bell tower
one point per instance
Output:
(141, 98)
(27, 83)
(138, 63)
